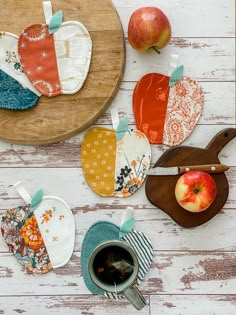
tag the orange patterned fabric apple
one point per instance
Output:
(55, 56)
(167, 108)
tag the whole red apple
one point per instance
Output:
(195, 191)
(148, 28)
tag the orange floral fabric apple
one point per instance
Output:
(167, 108)
(55, 56)
(113, 160)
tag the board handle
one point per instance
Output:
(220, 140)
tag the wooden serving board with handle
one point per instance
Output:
(160, 190)
(57, 118)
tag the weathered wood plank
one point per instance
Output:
(193, 304)
(164, 233)
(194, 273)
(72, 305)
(93, 305)
(70, 185)
(171, 272)
(204, 59)
(216, 96)
(67, 153)
(198, 16)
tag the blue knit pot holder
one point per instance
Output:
(16, 91)
(104, 231)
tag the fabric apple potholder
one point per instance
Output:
(40, 234)
(16, 91)
(103, 231)
(113, 160)
(55, 56)
(167, 108)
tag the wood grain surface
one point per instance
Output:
(194, 270)
(58, 118)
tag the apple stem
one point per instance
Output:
(156, 50)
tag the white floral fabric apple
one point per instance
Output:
(40, 234)
(55, 56)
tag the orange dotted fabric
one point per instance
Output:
(98, 152)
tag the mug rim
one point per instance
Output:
(107, 287)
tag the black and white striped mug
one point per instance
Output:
(113, 267)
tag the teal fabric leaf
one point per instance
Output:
(36, 200)
(55, 22)
(176, 75)
(122, 128)
(126, 227)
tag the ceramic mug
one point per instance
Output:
(129, 261)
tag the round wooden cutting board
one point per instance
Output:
(58, 118)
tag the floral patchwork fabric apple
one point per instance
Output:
(113, 160)
(41, 234)
(167, 108)
(16, 91)
(55, 56)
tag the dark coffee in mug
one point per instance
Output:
(113, 265)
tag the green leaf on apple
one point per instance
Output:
(176, 75)
(55, 22)
(126, 227)
(122, 128)
(36, 200)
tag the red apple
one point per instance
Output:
(195, 191)
(148, 28)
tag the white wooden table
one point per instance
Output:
(194, 270)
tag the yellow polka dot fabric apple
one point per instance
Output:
(55, 56)
(40, 234)
(167, 107)
(113, 160)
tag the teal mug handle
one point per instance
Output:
(134, 296)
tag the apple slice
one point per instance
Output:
(55, 56)
(167, 108)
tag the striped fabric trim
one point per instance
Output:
(143, 248)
